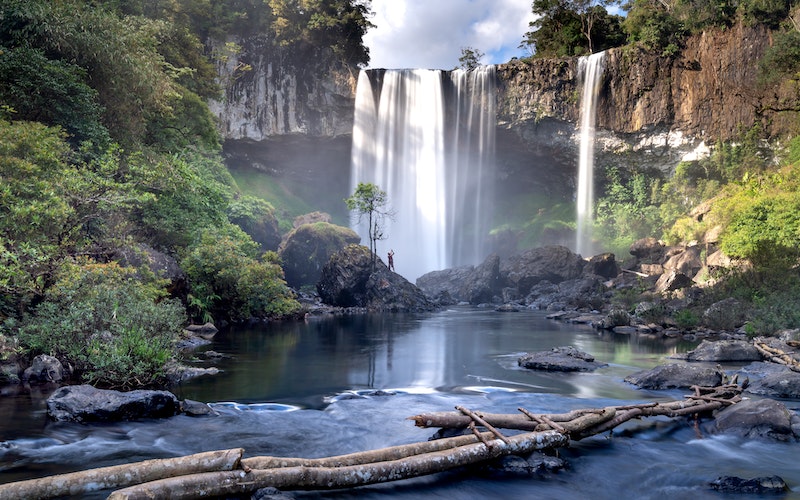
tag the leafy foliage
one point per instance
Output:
(470, 58)
(107, 324)
(572, 27)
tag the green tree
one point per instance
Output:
(572, 27)
(371, 202)
(470, 58)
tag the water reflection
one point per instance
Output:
(303, 363)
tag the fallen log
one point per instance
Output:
(119, 476)
(325, 478)
(776, 355)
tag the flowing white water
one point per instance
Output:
(591, 68)
(426, 137)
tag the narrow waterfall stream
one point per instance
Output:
(591, 69)
(426, 137)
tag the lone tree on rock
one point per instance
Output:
(371, 201)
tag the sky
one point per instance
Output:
(429, 34)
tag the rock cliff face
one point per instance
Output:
(294, 119)
(667, 108)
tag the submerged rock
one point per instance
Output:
(84, 403)
(758, 485)
(560, 359)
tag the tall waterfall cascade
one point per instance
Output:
(591, 69)
(427, 138)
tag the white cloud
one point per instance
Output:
(430, 34)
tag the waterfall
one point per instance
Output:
(426, 137)
(591, 68)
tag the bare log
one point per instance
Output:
(365, 457)
(119, 476)
(322, 478)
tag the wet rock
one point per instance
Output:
(724, 350)
(778, 383)
(757, 418)
(507, 308)
(307, 248)
(560, 359)
(271, 493)
(348, 281)
(84, 403)
(674, 375)
(537, 463)
(766, 485)
(44, 369)
(196, 408)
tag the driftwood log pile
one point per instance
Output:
(226, 472)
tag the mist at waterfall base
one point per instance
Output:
(427, 138)
(591, 70)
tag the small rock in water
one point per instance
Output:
(759, 485)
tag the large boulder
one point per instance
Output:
(484, 283)
(552, 263)
(675, 376)
(348, 280)
(604, 264)
(757, 418)
(307, 248)
(447, 281)
(649, 250)
(724, 350)
(84, 403)
(560, 359)
(256, 217)
(44, 369)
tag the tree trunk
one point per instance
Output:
(323, 478)
(118, 476)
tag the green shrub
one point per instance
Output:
(685, 319)
(114, 330)
(224, 264)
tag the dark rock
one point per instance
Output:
(196, 408)
(449, 281)
(756, 418)
(44, 369)
(779, 383)
(552, 263)
(562, 359)
(727, 314)
(604, 264)
(537, 463)
(307, 248)
(206, 331)
(484, 283)
(648, 249)
(770, 485)
(507, 308)
(84, 403)
(348, 281)
(673, 280)
(271, 493)
(724, 350)
(674, 375)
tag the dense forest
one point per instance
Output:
(110, 161)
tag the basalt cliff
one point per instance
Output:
(294, 119)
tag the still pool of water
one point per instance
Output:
(330, 386)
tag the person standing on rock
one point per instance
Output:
(391, 260)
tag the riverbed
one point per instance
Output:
(335, 385)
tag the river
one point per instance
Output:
(329, 386)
